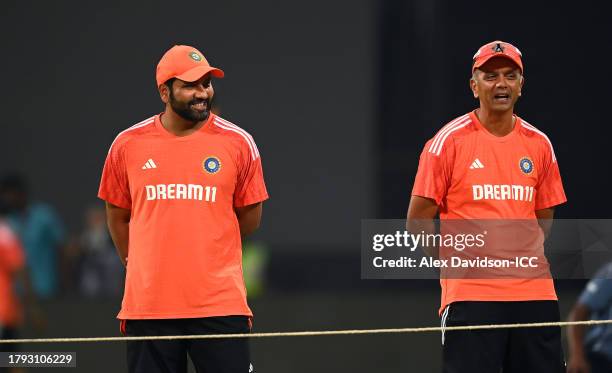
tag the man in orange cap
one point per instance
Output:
(492, 164)
(181, 188)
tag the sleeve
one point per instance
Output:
(250, 187)
(114, 185)
(12, 257)
(597, 295)
(433, 176)
(550, 188)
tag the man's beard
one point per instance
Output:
(186, 112)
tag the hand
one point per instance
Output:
(578, 364)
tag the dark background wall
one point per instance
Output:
(426, 48)
(340, 97)
(299, 77)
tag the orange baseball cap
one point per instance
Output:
(497, 49)
(185, 63)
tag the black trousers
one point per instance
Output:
(521, 350)
(229, 355)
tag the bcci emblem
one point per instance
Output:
(498, 48)
(526, 165)
(212, 165)
(195, 56)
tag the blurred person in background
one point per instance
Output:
(39, 229)
(255, 262)
(13, 273)
(592, 351)
(12, 261)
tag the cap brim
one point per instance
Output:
(199, 71)
(481, 61)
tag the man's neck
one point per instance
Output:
(178, 125)
(497, 123)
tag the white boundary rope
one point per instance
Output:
(308, 333)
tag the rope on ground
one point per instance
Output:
(308, 333)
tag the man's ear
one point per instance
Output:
(164, 93)
(474, 86)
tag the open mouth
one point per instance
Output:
(502, 97)
(199, 106)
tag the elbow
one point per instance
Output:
(580, 312)
(113, 220)
(250, 228)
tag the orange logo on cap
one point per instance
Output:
(195, 56)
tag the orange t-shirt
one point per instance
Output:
(11, 260)
(185, 251)
(472, 174)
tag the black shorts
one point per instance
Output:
(520, 350)
(229, 355)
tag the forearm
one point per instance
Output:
(426, 226)
(545, 220)
(575, 338)
(120, 233)
(118, 221)
(420, 219)
(575, 333)
(246, 228)
(249, 218)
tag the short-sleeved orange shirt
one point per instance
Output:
(12, 259)
(185, 252)
(472, 174)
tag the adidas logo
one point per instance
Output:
(149, 164)
(476, 164)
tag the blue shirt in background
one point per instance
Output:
(41, 232)
(597, 296)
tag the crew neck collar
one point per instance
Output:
(164, 132)
(485, 131)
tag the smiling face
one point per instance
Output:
(190, 100)
(497, 84)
